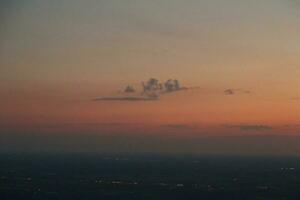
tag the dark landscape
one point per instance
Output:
(82, 176)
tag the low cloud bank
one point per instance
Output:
(251, 127)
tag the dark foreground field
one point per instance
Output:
(82, 176)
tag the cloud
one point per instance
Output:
(129, 89)
(251, 127)
(236, 91)
(229, 92)
(151, 90)
(154, 86)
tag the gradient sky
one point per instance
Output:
(57, 55)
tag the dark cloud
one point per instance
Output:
(172, 85)
(236, 91)
(151, 90)
(154, 86)
(229, 92)
(129, 89)
(252, 127)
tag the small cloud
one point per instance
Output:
(129, 89)
(252, 127)
(236, 91)
(229, 92)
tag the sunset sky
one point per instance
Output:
(56, 56)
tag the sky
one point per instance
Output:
(237, 62)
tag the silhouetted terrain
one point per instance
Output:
(82, 176)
